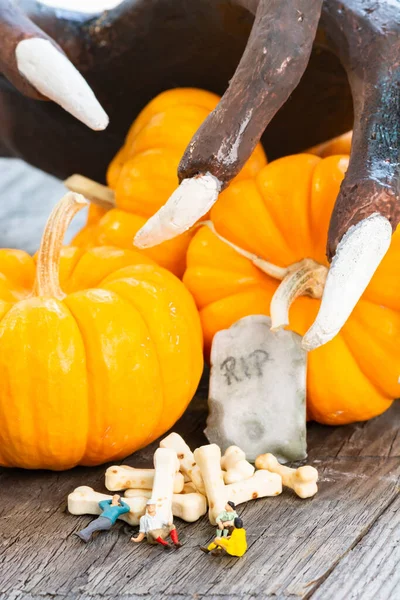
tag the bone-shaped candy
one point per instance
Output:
(85, 501)
(208, 459)
(235, 465)
(260, 485)
(124, 477)
(189, 488)
(186, 459)
(189, 507)
(303, 481)
(166, 464)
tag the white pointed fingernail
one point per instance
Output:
(358, 255)
(189, 202)
(53, 75)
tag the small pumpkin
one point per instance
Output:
(100, 351)
(338, 145)
(282, 216)
(143, 174)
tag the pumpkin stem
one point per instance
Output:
(96, 193)
(264, 266)
(305, 278)
(48, 262)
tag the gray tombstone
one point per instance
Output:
(257, 395)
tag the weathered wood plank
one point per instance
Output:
(293, 543)
(345, 539)
(370, 571)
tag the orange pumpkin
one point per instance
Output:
(144, 174)
(100, 351)
(282, 216)
(338, 145)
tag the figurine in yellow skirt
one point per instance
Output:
(235, 545)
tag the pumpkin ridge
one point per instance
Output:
(252, 284)
(77, 260)
(193, 379)
(31, 427)
(288, 249)
(352, 410)
(87, 374)
(362, 370)
(87, 460)
(308, 210)
(5, 308)
(187, 103)
(361, 324)
(130, 301)
(159, 363)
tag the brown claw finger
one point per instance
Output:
(275, 58)
(366, 36)
(15, 27)
(38, 68)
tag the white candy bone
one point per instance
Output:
(137, 493)
(85, 501)
(235, 465)
(208, 458)
(303, 481)
(260, 485)
(186, 459)
(189, 488)
(166, 464)
(124, 477)
(189, 507)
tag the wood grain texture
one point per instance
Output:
(294, 545)
(370, 571)
(343, 543)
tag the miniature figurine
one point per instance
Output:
(155, 528)
(111, 510)
(225, 519)
(234, 545)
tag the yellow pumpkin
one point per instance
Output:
(144, 174)
(282, 216)
(100, 351)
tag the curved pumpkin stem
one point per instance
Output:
(47, 270)
(264, 266)
(306, 278)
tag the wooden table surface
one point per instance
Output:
(342, 544)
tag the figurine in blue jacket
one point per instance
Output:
(110, 511)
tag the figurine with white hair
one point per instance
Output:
(155, 528)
